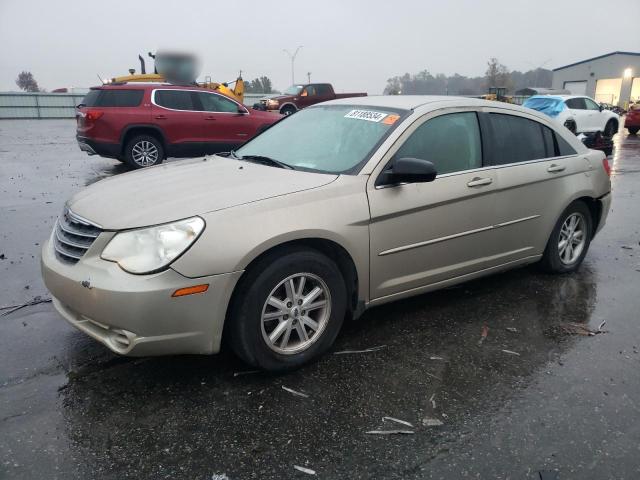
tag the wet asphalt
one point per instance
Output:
(532, 400)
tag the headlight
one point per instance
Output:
(148, 250)
(273, 103)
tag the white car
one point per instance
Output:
(579, 114)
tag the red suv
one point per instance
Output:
(143, 123)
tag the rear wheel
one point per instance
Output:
(633, 130)
(569, 240)
(288, 310)
(610, 128)
(571, 125)
(288, 110)
(143, 151)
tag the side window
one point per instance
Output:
(323, 90)
(549, 144)
(309, 91)
(451, 142)
(175, 99)
(212, 102)
(515, 139)
(576, 104)
(563, 146)
(120, 98)
(591, 105)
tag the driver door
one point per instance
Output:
(425, 233)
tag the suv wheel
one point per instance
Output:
(143, 151)
(610, 128)
(288, 310)
(569, 240)
(571, 125)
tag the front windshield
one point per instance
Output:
(332, 138)
(293, 90)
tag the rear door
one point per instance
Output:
(224, 123)
(176, 113)
(535, 176)
(308, 96)
(425, 233)
(597, 117)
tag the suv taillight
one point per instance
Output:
(93, 115)
(607, 167)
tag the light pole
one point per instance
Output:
(308, 77)
(292, 56)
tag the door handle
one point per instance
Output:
(556, 168)
(478, 182)
(161, 117)
(210, 118)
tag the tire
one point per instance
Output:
(249, 334)
(571, 125)
(559, 260)
(633, 130)
(288, 110)
(610, 128)
(143, 151)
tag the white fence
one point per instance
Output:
(15, 105)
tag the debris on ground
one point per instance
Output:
(3, 256)
(304, 470)
(12, 308)
(294, 392)
(433, 402)
(246, 372)
(627, 247)
(604, 322)
(511, 352)
(436, 358)
(434, 376)
(483, 334)
(366, 350)
(390, 432)
(571, 328)
(397, 420)
(511, 329)
(431, 422)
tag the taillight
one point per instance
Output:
(607, 167)
(94, 115)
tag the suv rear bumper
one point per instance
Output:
(111, 150)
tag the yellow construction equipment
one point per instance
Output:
(182, 69)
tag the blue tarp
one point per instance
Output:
(547, 104)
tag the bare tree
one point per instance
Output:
(27, 83)
(497, 75)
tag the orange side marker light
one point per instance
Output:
(181, 292)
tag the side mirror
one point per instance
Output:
(408, 170)
(601, 107)
(242, 110)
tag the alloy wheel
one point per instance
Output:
(572, 238)
(144, 153)
(296, 313)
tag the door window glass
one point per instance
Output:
(212, 102)
(563, 147)
(175, 99)
(591, 105)
(576, 104)
(451, 142)
(323, 90)
(549, 145)
(515, 139)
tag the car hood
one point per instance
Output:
(182, 189)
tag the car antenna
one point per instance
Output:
(101, 81)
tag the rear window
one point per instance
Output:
(113, 98)
(516, 139)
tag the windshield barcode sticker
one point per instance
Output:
(366, 115)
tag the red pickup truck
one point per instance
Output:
(299, 96)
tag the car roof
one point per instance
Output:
(413, 102)
(145, 85)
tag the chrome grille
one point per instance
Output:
(73, 236)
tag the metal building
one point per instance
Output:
(612, 78)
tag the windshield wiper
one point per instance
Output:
(264, 160)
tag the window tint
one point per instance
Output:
(323, 89)
(212, 102)
(515, 139)
(591, 105)
(175, 99)
(549, 144)
(91, 98)
(563, 146)
(576, 104)
(451, 142)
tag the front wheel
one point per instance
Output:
(288, 310)
(633, 130)
(143, 151)
(288, 110)
(569, 240)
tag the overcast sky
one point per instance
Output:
(356, 45)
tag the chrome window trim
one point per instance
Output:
(153, 101)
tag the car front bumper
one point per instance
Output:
(136, 315)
